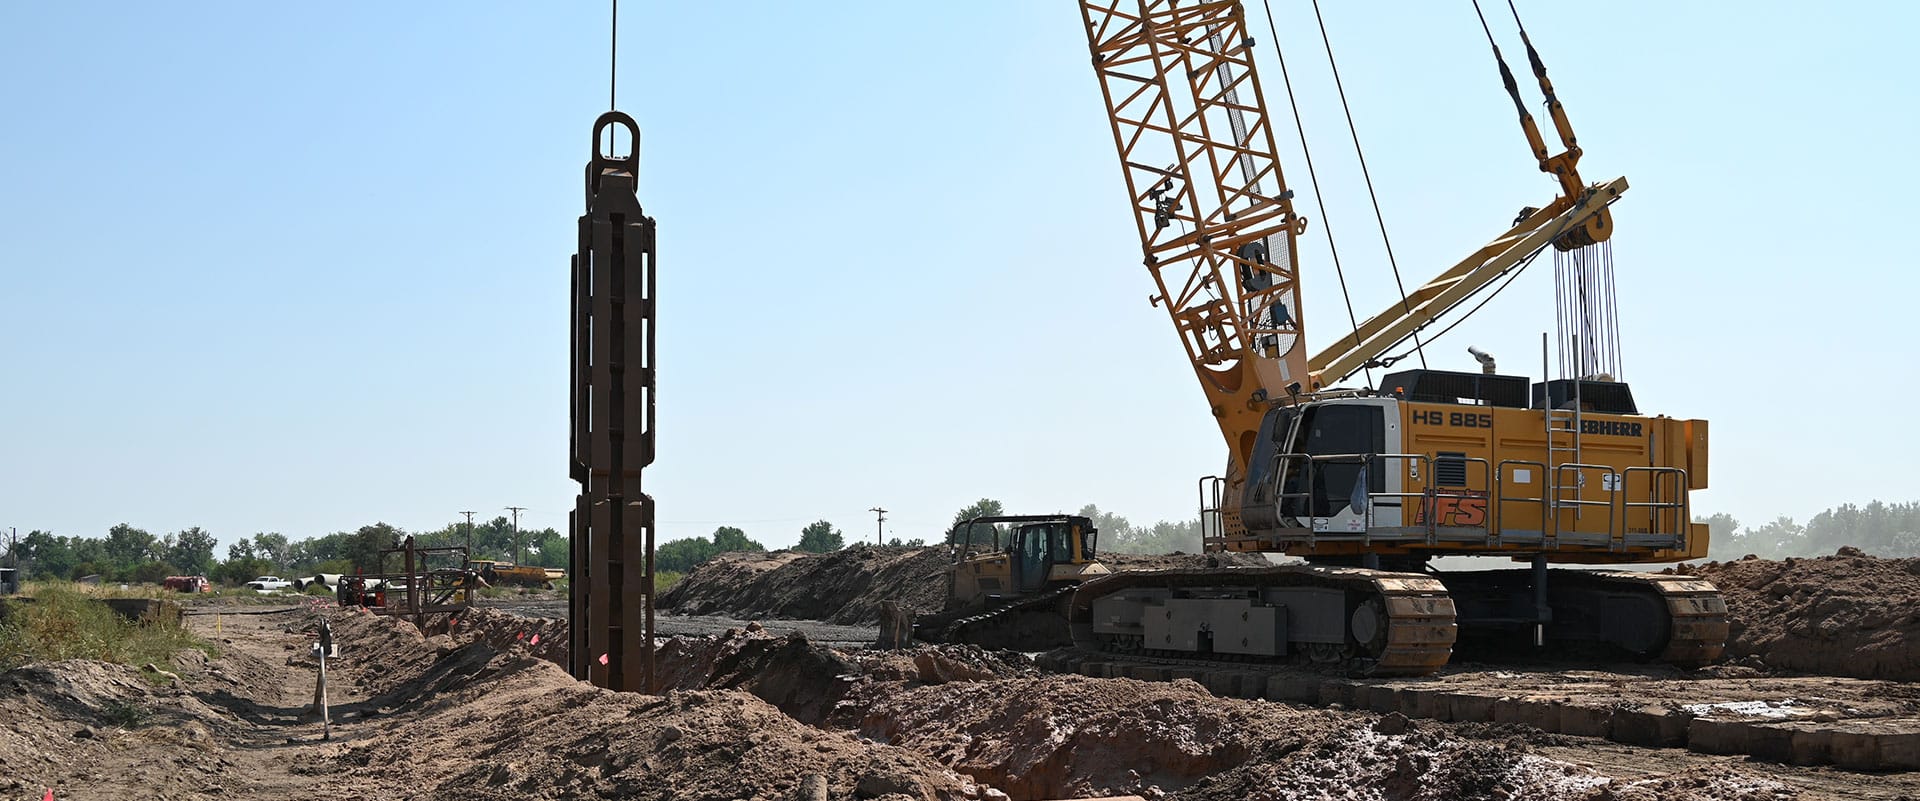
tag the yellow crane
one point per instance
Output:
(1370, 484)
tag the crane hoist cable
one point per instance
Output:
(613, 57)
(1314, 178)
(1512, 274)
(1364, 173)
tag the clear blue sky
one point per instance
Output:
(297, 268)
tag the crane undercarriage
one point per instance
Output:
(1382, 623)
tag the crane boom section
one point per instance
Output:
(1400, 321)
(1215, 218)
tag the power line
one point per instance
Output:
(879, 525)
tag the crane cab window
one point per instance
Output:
(1342, 429)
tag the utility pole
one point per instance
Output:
(519, 553)
(879, 525)
(469, 535)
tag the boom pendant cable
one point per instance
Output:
(1313, 177)
(1364, 173)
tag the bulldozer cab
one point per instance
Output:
(1036, 548)
(1008, 556)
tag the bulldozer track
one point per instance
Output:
(1417, 639)
(957, 631)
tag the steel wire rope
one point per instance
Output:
(1319, 200)
(1360, 153)
(1513, 273)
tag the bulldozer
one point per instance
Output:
(1009, 588)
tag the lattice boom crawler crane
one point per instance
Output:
(1368, 485)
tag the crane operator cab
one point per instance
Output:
(1003, 558)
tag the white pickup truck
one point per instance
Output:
(265, 583)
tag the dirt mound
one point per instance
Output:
(513, 726)
(800, 678)
(1068, 736)
(71, 725)
(938, 664)
(1843, 615)
(847, 586)
(544, 637)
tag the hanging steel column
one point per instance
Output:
(611, 592)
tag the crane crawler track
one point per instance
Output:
(1698, 626)
(1416, 640)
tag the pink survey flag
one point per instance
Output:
(603, 659)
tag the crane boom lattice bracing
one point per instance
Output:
(1214, 214)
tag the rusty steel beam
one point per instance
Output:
(611, 526)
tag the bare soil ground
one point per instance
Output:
(481, 710)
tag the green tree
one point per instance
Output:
(985, 507)
(1118, 535)
(547, 548)
(728, 538)
(1724, 541)
(192, 551)
(1777, 539)
(152, 572)
(243, 570)
(682, 555)
(126, 547)
(272, 546)
(46, 554)
(366, 544)
(821, 537)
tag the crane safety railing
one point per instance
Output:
(1613, 534)
(1213, 531)
(1663, 505)
(1512, 467)
(1453, 513)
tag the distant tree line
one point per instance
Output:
(1878, 528)
(1117, 534)
(682, 555)
(127, 553)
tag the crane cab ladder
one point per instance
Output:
(1563, 448)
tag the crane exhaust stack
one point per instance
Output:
(612, 405)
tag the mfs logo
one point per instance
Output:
(1467, 509)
